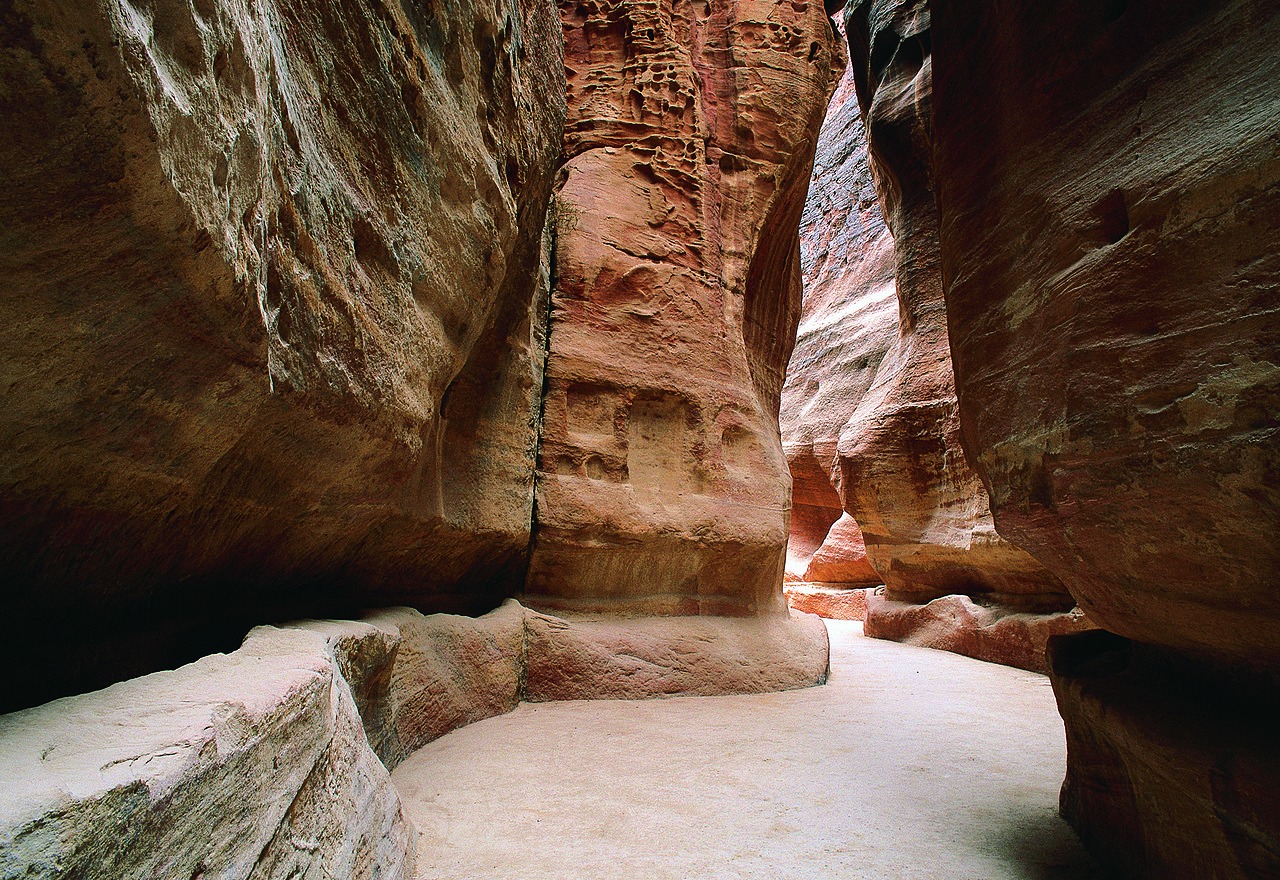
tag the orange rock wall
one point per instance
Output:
(662, 486)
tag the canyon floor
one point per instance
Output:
(910, 764)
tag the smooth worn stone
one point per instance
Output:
(1109, 234)
(990, 631)
(903, 472)
(1171, 772)
(592, 659)
(828, 601)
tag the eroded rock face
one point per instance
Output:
(848, 322)
(271, 336)
(661, 485)
(903, 474)
(1109, 251)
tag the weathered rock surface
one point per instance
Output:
(848, 322)
(271, 336)
(584, 659)
(662, 486)
(994, 633)
(829, 601)
(449, 671)
(903, 475)
(250, 764)
(1109, 250)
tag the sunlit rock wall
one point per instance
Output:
(848, 322)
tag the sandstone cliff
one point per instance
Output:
(271, 337)
(903, 474)
(661, 482)
(1109, 249)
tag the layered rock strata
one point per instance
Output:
(662, 486)
(272, 761)
(848, 323)
(1109, 252)
(271, 338)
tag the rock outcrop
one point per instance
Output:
(848, 322)
(662, 485)
(271, 337)
(1108, 233)
(272, 761)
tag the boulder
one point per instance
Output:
(249, 764)
(1109, 194)
(662, 487)
(272, 319)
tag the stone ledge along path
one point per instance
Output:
(910, 764)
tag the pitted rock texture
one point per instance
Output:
(1109, 253)
(662, 486)
(848, 322)
(271, 336)
(923, 512)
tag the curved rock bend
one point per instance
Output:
(1109, 230)
(662, 486)
(903, 474)
(271, 338)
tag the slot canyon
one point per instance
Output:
(621, 438)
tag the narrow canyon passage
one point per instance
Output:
(909, 764)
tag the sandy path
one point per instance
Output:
(909, 764)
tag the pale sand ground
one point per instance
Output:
(909, 764)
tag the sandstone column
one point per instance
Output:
(662, 486)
